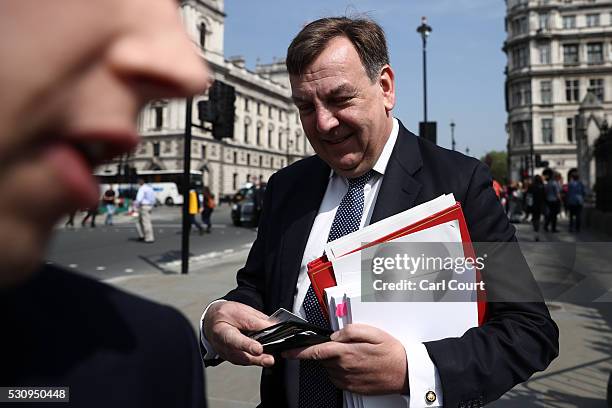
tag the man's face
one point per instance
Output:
(74, 75)
(345, 115)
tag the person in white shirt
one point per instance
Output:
(368, 167)
(145, 200)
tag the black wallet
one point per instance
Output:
(289, 335)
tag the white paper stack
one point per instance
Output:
(408, 320)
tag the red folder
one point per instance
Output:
(321, 273)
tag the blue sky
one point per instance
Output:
(465, 61)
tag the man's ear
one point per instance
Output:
(387, 86)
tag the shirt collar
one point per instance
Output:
(385, 155)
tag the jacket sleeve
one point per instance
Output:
(518, 338)
(251, 278)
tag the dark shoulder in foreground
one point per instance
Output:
(65, 329)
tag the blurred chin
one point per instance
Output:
(22, 247)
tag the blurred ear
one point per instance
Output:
(387, 86)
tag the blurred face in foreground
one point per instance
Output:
(74, 75)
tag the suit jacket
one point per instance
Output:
(518, 338)
(111, 348)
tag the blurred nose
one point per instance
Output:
(326, 120)
(160, 58)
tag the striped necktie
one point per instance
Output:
(316, 390)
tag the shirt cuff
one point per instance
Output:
(425, 385)
(211, 354)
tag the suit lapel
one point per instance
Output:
(399, 189)
(305, 202)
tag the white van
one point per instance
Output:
(167, 193)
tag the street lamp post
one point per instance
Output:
(424, 30)
(452, 126)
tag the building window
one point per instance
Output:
(518, 132)
(269, 112)
(521, 94)
(297, 142)
(156, 149)
(259, 108)
(260, 161)
(235, 181)
(235, 158)
(248, 162)
(570, 130)
(543, 19)
(248, 178)
(570, 54)
(520, 57)
(595, 53)
(282, 163)
(569, 21)
(280, 115)
(246, 104)
(203, 151)
(280, 140)
(158, 112)
(246, 133)
(269, 137)
(546, 92)
(572, 90)
(203, 35)
(520, 26)
(596, 86)
(544, 51)
(547, 131)
(592, 20)
(258, 135)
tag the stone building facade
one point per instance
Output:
(267, 130)
(557, 51)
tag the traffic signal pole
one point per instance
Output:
(186, 187)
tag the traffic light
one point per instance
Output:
(539, 162)
(219, 109)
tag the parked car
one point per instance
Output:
(247, 204)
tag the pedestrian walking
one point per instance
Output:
(145, 200)
(575, 201)
(535, 198)
(208, 206)
(109, 204)
(194, 210)
(553, 201)
(92, 212)
(70, 222)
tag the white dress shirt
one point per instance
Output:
(145, 195)
(422, 373)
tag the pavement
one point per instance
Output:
(577, 378)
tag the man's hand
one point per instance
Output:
(222, 325)
(361, 359)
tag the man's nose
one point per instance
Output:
(165, 63)
(326, 120)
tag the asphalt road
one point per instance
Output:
(107, 252)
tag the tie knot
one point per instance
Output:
(360, 182)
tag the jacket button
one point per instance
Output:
(430, 397)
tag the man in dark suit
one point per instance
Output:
(74, 77)
(368, 167)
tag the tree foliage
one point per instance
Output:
(498, 163)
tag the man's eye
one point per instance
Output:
(341, 100)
